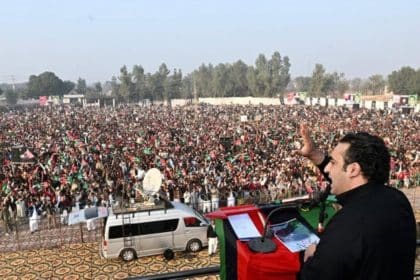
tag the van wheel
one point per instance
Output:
(128, 255)
(194, 245)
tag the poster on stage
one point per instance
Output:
(294, 235)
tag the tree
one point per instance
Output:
(156, 83)
(95, 92)
(263, 76)
(173, 85)
(376, 84)
(81, 87)
(342, 87)
(46, 84)
(302, 84)
(317, 81)
(126, 90)
(239, 77)
(97, 87)
(148, 93)
(405, 81)
(334, 84)
(11, 97)
(222, 82)
(279, 74)
(329, 84)
(176, 84)
(115, 88)
(356, 85)
(252, 81)
(416, 85)
(203, 78)
(269, 77)
(68, 86)
(187, 87)
(139, 79)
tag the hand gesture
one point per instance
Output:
(308, 144)
(309, 148)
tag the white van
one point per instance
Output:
(171, 225)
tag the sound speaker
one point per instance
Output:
(406, 110)
(373, 105)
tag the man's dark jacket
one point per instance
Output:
(373, 237)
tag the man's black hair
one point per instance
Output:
(371, 153)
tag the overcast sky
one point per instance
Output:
(93, 39)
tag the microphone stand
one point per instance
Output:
(322, 206)
(263, 244)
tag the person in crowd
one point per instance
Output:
(5, 217)
(34, 215)
(90, 223)
(212, 238)
(50, 211)
(214, 196)
(103, 152)
(373, 236)
(187, 197)
(231, 199)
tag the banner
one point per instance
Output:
(76, 217)
(21, 154)
(43, 101)
(83, 215)
(412, 100)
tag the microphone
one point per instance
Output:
(322, 197)
(264, 244)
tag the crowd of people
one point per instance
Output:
(208, 155)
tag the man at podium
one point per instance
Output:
(373, 236)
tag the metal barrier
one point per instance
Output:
(47, 236)
(180, 274)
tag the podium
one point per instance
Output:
(237, 261)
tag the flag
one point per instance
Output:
(213, 154)
(27, 155)
(71, 135)
(147, 151)
(6, 188)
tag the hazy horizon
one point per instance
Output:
(94, 39)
